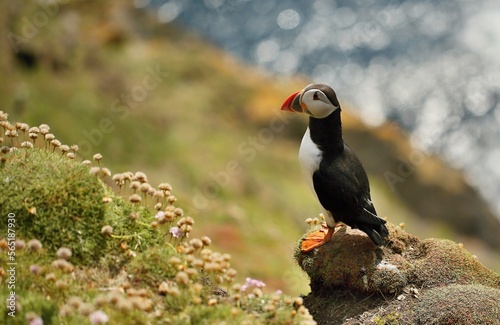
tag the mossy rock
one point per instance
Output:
(55, 200)
(355, 282)
(459, 304)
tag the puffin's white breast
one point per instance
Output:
(310, 157)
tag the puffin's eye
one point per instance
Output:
(315, 96)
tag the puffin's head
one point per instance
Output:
(316, 100)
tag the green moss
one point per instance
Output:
(55, 200)
(152, 266)
(459, 304)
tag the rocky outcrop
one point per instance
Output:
(408, 281)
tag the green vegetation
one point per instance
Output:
(84, 253)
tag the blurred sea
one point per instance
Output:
(432, 66)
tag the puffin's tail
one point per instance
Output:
(377, 233)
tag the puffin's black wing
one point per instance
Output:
(342, 187)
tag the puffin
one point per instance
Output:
(332, 170)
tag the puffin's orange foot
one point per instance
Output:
(316, 239)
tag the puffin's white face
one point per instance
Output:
(313, 101)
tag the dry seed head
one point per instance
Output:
(182, 278)
(27, 144)
(97, 157)
(94, 170)
(135, 185)
(178, 212)
(34, 129)
(22, 126)
(107, 230)
(33, 136)
(56, 143)
(70, 155)
(165, 187)
(64, 148)
(171, 199)
(159, 194)
(206, 240)
(34, 245)
(196, 243)
(74, 147)
(105, 172)
(141, 177)
(151, 191)
(64, 253)
(144, 187)
(3, 116)
(87, 162)
(49, 136)
(158, 208)
(135, 198)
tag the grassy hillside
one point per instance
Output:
(155, 98)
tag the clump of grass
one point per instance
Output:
(85, 253)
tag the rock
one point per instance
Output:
(353, 281)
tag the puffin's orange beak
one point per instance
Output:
(292, 103)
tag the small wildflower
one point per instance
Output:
(98, 317)
(135, 185)
(22, 126)
(20, 244)
(34, 245)
(27, 144)
(175, 232)
(160, 216)
(163, 288)
(182, 277)
(97, 157)
(141, 177)
(64, 253)
(64, 148)
(63, 265)
(33, 136)
(107, 230)
(174, 260)
(158, 207)
(56, 143)
(249, 282)
(299, 301)
(86, 309)
(402, 225)
(3, 116)
(87, 162)
(105, 172)
(70, 155)
(171, 199)
(61, 284)
(36, 321)
(144, 188)
(107, 199)
(206, 240)
(165, 187)
(196, 243)
(95, 171)
(178, 212)
(50, 277)
(134, 198)
(49, 137)
(309, 221)
(34, 269)
(44, 128)
(34, 129)
(75, 301)
(65, 311)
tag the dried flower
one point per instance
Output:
(135, 198)
(64, 148)
(206, 240)
(35, 245)
(70, 155)
(144, 188)
(107, 230)
(49, 137)
(26, 144)
(3, 116)
(141, 177)
(33, 136)
(75, 147)
(35, 269)
(64, 253)
(87, 162)
(34, 129)
(165, 187)
(56, 143)
(182, 277)
(98, 317)
(135, 185)
(97, 157)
